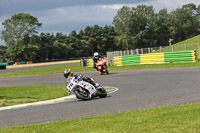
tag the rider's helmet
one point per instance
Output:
(67, 73)
(96, 54)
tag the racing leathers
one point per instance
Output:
(95, 59)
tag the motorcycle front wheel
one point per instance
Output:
(102, 93)
(82, 93)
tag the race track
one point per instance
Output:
(138, 89)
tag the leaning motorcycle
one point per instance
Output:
(84, 90)
(101, 66)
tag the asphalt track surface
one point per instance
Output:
(138, 89)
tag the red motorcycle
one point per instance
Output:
(101, 65)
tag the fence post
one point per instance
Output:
(142, 51)
(199, 49)
(149, 50)
(107, 53)
(136, 51)
(109, 57)
(196, 58)
(185, 47)
(117, 53)
(160, 49)
(172, 48)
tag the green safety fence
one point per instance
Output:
(155, 58)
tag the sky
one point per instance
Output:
(67, 15)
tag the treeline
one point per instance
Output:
(133, 27)
(140, 26)
(82, 44)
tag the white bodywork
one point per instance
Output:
(75, 83)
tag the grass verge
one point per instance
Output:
(27, 94)
(78, 68)
(182, 118)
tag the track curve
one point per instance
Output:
(138, 89)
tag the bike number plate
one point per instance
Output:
(70, 87)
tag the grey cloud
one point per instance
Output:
(15, 6)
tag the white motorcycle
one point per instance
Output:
(85, 90)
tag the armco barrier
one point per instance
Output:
(17, 63)
(185, 56)
(131, 60)
(29, 62)
(4, 63)
(23, 62)
(155, 58)
(2, 66)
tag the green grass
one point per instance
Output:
(78, 68)
(27, 94)
(175, 119)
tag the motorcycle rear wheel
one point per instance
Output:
(82, 94)
(106, 71)
(100, 73)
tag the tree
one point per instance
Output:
(91, 37)
(20, 35)
(184, 22)
(122, 22)
(158, 32)
(132, 25)
(46, 49)
(2, 53)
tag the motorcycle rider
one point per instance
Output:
(68, 75)
(95, 59)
